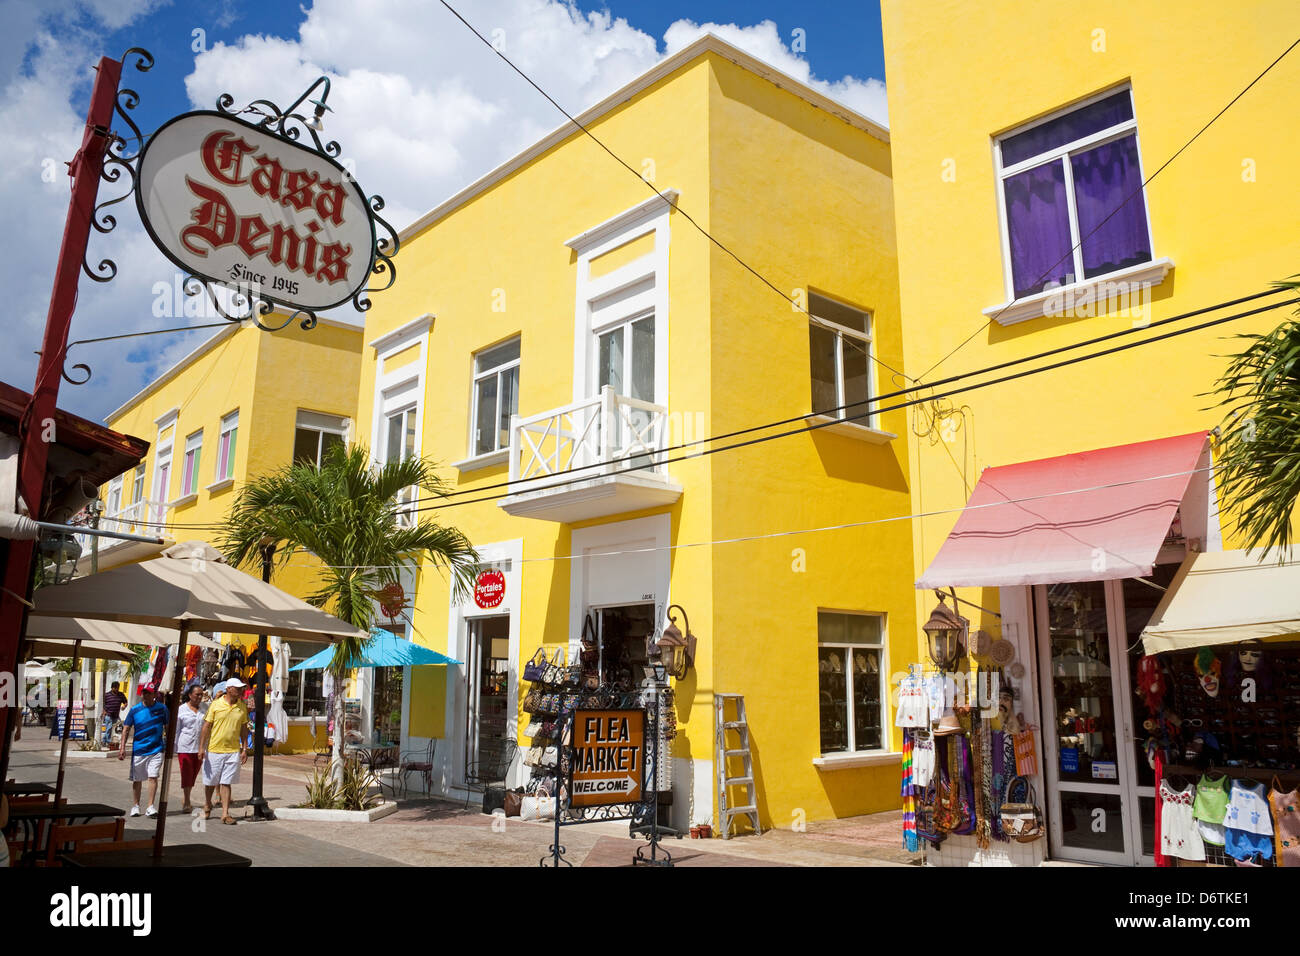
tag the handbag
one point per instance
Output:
(557, 669)
(534, 728)
(535, 669)
(1021, 819)
(514, 799)
(533, 701)
(574, 676)
(536, 808)
(550, 757)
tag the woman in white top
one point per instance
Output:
(189, 722)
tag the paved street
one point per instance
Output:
(438, 833)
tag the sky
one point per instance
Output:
(420, 107)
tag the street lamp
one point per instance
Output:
(677, 652)
(945, 632)
(59, 548)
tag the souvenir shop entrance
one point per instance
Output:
(1100, 786)
(488, 683)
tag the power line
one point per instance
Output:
(831, 412)
(671, 202)
(907, 404)
(1136, 192)
(834, 527)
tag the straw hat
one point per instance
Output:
(948, 724)
(1003, 652)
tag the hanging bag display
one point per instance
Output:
(534, 728)
(535, 669)
(533, 702)
(1026, 754)
(557, 669)
(1021, 819)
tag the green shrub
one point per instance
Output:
(322, 794)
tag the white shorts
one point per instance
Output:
(220, 768)
(146, 768)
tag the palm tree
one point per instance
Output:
(1259, 454)
(344, 513)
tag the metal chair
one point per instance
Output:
(424, 767)
(492, 766)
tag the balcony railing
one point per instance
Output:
(142, 517)
(561, 457)
(587, 439)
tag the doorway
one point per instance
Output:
(488, 684)
(1100, 787)
(623, 633)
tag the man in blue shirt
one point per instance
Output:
(145, 724)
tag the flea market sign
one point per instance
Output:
(263, 209)
(608, 757)
(489, 589)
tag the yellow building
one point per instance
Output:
(560, 296)
(1035, 211)
(244, 403)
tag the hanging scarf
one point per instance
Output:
(910, 841)
(1004, 763)
(981, 781)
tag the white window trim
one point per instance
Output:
(321, 428)
(646, 218)
(475, 377)
(229, 423)
(876, 436)
(114, 487)
(404, 385)
(193, 444)
(1034, 306)
(838, 760)
(162, 456)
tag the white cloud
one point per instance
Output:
(419, 105)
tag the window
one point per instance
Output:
(190, 470)
(496, 397)
(305, 694)
(625, 359)
(314, 435)
(839, 342)
(162, 472)
(137, 484)
(1060, 180)
(399, 445)
(226, 447)
(114, 504)
(850, 665)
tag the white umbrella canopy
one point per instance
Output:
(42, 628)
(38, 671)
(94, 650)
(191, 584)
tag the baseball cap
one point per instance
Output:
(234, 682)
(148, 688)
(218, 688)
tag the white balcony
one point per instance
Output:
(596, 457)
(143, 518)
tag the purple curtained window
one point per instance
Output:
(1093, 118)
(1104, 177)
(1038, 226)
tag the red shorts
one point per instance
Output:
(189, 769)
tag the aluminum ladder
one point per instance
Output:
(739, 726)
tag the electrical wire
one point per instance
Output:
(1070, 255)
(831, 412)
(835, 527)
(671, 202)
(549, 485)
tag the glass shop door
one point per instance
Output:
(1091, 799)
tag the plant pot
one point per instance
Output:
(695, 833)
(706, 831)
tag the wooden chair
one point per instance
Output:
(79, 835)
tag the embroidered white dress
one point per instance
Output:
(1179, 835)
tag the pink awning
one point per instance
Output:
(1091, 516)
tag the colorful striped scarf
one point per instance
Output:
(909, 801)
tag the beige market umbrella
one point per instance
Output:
(94, 650)
(90, 630)
(189, 587)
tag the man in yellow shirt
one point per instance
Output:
(221, 746)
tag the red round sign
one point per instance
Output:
(489, 588)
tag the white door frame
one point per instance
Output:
(1126, 788)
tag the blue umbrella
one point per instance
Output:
(385, 649)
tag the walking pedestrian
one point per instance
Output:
(189, 727)
(144, 726)
(113, 702)
(221, 746)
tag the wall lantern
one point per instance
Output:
(60, 549)
(945, 632)
(677, 652)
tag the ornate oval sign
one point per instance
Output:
(242, 208)
(489, 588)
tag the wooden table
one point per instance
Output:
(181, 854)
(32, 816)
(28, 789)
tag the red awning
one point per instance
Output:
(1091, 516)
